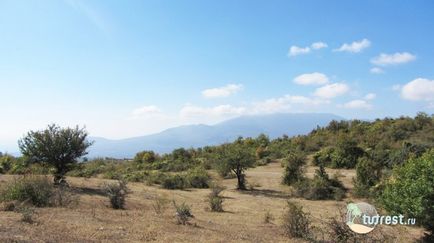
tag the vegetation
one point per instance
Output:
(236, 157)
(410, 190)
(294, 168)
(183, 213)
(35, 190)
(117, 192)
(296, 223)
(215, 199)
(58, 147)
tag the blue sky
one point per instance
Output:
(130, 68)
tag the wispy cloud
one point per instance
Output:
(145, 111)
(393, 59)
(376, 70)
(354, 47)
(297, 50)
(331, 90)
(224, 91)
(189, 111)
(311, 78)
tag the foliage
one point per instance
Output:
(59, 147)
(368, 174)
(117, 192)
(145, 157)
(293, 168)
(237, 157)
(410, 190)
(321, 187)
(215, 199)
(174, 182)
(183, 213)
(296, 223)
(198, 178)
(159, 205)
(31, 189)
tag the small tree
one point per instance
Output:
(293, 168)
(56, 146)
(237, 157)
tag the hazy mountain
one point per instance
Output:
(273, 125)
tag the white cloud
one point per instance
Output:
(311, 78)
(331, 90)
(318, 45)
(284, 103)
(355, 47)
(370, 96)
(357, 104)
(376, 70)
(146, 110)
(418, 89)
(217, 111)
(393, 59)
(295, 50)
(224, 91)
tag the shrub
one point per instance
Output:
(293, 168)
(32, 189)
(321, 187)
(117, 193)
(174, 182)
(296, 223)
(26, 214)
(215, 200)
(410, 190)
(323, 157)
(368, 174)
(198, 178)
(159, 205)
(183, 213)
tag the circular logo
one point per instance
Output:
(359, 217)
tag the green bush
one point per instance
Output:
(323, 157)
(117, 192)
(410, 190)
(321, 187)
(293, 168)
(215, 200)
(174, 182)
(31, 189)
(183, 213)
(368, 174)
(296, 223)
(198, 178)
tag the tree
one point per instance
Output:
(145, 157)
(410, 190)
(57, 147)
(236, 157)
(293, 168)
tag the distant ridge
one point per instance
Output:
(273, 125)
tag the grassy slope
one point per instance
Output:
(93, 221)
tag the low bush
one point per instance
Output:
(215, 200)
(36, 190)
(198, 178)
(117, 193)
(183, 213)
(174, 182)
(296, 223)
(321, 187)
(26, 213)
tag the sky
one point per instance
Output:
(131, 68)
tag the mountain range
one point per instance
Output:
(273, 125)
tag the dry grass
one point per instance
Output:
(92, 220)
